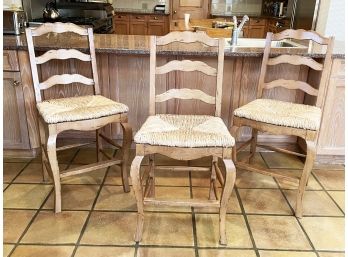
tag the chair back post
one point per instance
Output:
(152, 103)
(297, 60)
(188, 66)
(61, 54)
(219, 77)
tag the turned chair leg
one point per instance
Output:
(212, 190)
(43, 142)
(138, 192)
(99, 145)
(226, 193)
(126, 144)
(52, 156)
(253, 144)
(311, 152)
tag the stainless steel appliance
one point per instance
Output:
(304, 14)
(14, 22)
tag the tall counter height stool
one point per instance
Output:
(184, 137)
(84, 113)
(285, 118)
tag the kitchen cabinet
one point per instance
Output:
(198, 9)
(140, 24)
(14, 117)
(256, 32)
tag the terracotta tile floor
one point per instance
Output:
(98, 219)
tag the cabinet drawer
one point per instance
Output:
(256, 21)
(121, 17)
(159, 18)
(138, 17)
(10, 61)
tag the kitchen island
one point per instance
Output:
(123, 66)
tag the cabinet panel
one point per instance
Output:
(156, 28)
(121, 27)
(137, 28)
(15, 122)
(256, 31)
(198, 9)
(10, 60)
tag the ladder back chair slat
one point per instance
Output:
(185, 93)
(186, 66)
(296, 60)
(61, 54)
(186, 37)
(59, 27)
(65, 79)
(292, 84)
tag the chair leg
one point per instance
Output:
(226, 193)
(43, 142)
(52, 156)
(99, 145)
(126, 144)
(234, 132)
(138, 192)
(311, 152)
(253, 144)
(212, 190)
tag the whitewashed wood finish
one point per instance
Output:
(58, 27)
(309, 136)
(185, 93)
(296, 60)
(301, 34)
(81, 125)
(65, 79)
(186, 37)
(292, 84)
(186, 65)
(62, 54)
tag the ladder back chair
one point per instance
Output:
(84, 113)
(285, 118)
(184, 137)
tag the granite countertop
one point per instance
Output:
(138, 44)
(138, 11)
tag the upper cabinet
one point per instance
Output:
(198, 9)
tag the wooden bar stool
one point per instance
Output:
(284, 118)
(184, 137)
(84, 113)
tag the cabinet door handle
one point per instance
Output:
(137, 17)
(155, 18)
(174, 12)
(16, 83)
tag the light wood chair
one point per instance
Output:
(284, 118)
(84, 113)
(184, 137)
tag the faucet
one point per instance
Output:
(236, 30)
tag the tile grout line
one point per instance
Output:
(19, 173)
(91, 210)
(247, 222)
(30, 223)
(194, 228)
(297, 219)
(324, 189)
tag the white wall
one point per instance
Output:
(12, 4)
(331, 19)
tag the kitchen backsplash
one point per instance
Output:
(229, 7)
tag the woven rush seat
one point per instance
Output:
(79, 108)
(281, 113)
(184, 131)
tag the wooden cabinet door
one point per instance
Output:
(137, 28)
(156, 28)
(15, 122)
(121, 27)
(256, 31)
(198, 9)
